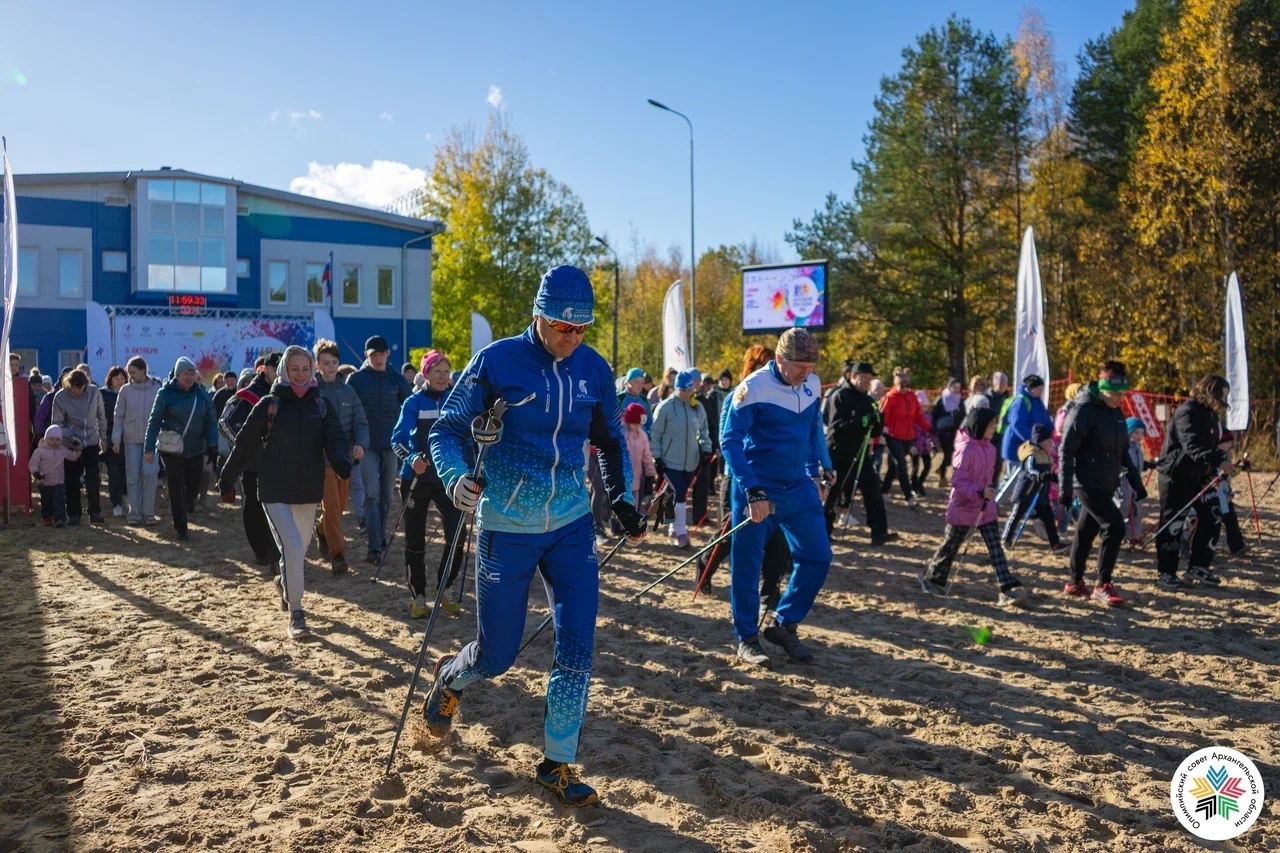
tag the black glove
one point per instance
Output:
(1139, 492)
(755, 494)
(633, 523)
(1066, 496)
(706, 458)
(343, 469)
(660, 467)
(39, 477)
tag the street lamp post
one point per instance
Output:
(602, 242)
(693, 246)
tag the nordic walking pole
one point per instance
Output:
(862, 457)
(542, 626)
(404, 505)
(1248, 475)
(706, 571)
(1213, 484)
(705, 549)
(1025, 518)
(964, 546)
(491, 433)
(1267, 490)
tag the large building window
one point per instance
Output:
(315, 284)
(70, 281)
(386, 287)
(278, 282)
(26, 271)
(187, 246)
(351, 284)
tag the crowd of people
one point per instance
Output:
(538, 447)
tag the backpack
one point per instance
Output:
(273, 406)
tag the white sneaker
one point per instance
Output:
(118, 511)
(850, 520)
(912, 503)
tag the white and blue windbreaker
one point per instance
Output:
(771, 432)
(535, 477)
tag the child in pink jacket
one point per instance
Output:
(972, 504)
(638, 449)
(46, 469)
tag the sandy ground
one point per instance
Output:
(151, 701)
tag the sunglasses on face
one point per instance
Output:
(569, 328)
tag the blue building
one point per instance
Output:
(118, 263)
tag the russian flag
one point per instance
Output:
(327, 279)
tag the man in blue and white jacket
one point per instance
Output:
(533, 509)
(772, 439)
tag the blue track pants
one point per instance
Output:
(506, 564)
(798, 511)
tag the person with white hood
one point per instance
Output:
(681, 443)
(182, 427)
(295, 430)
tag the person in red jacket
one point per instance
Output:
(901, 412)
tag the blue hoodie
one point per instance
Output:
(771, 433)
(1025, 412)
(535, 474)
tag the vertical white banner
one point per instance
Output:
(1237, 359)
(675, 332)
(481, 332)
(99, 348)
(9, 304)
(1030, 352)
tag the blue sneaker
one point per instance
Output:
(562, 780)
(441, 704)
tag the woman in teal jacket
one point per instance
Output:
(183, 406)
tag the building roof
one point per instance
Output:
(429, 227)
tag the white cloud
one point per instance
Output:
(495, 97)
(386, 116)
(355, 183)
(295, 117)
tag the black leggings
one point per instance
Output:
(1173, 497)
(256, 527)
(841, 494)
(415, 532)
(948, 442)
(86, 465)
(898, 466)
(1098, 514)
(182, 474)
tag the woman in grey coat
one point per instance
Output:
(78, 410)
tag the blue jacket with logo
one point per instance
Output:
(536, 475)
(771, 432)
(1024, 413)
(418, 414)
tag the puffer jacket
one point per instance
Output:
(973, 465)
(679, 436)
(382, 393)
(84, 416)
(1025, 411)
(901, 413)
(1191, 451)
(173, 410)
(291, 447)
(133, 410)
(346, 402)
(1095, 445)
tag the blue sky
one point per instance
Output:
(274, 91)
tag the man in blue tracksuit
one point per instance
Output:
(534, 515)
(1025, 411)
(772, 439)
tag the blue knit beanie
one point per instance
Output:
(1131, 424)
(565, 294)
(635, 373)
(685, 380)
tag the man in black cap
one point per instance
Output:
(382, 392)
(1025, 411)
(852, 422)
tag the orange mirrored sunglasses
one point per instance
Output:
(569, 328)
